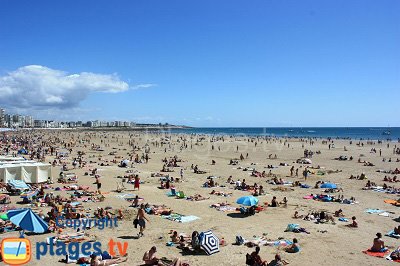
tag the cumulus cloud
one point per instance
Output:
(39, 87)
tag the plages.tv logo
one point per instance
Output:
(16, 251)
(76, 249)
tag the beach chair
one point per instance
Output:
(17, 186)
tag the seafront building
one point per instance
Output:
(21, 121)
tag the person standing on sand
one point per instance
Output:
(137, 182)
(141, 220)
(305, 173)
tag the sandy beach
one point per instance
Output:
(326, 243)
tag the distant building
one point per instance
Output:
(7, 120)
(2, 117)
(39, 123)
(28, 121)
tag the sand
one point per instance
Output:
(339, 245)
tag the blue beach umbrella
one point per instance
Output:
(328, 185)
(27, 220)
(247, 201)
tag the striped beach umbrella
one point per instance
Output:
(209, 242)
(27, 220)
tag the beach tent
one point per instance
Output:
(5, 159)
(31, 172)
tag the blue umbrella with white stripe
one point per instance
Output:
(27, 220)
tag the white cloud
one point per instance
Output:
(42, 88)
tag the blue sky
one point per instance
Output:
(203, 63)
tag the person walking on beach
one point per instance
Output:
(137, 182)
(305, 173)
(141, 220)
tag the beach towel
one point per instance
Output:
(393, 202)
(308, 197)
(123, 196)
(341, 219)
(226, 209)
(370, 211)
(187, 219)
(376, 254)
(279, 243)
(170, 194)
(392, 234)
(180, 218)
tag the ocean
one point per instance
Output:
(365, 133)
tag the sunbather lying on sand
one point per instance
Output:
(158, 210)
(99, 261)
(197, 197)
(220, 193)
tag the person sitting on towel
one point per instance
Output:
(379, 244)
(354, 223)
(293, 248)
(397, 230)
(256, 258)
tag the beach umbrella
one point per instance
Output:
(29, 194)
(209, 242)
(247, 201)
(328, 185)
(27, 220)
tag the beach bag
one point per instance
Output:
(249, 259)
(239, 240)
(291, 227)
(136, 222)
